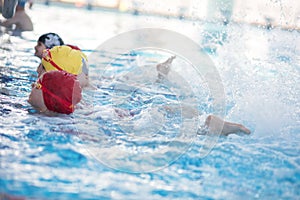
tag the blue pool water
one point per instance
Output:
(91, 154)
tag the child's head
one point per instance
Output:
(63, 58)
(47, 41)
(57, 91)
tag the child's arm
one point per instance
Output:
(9, 22)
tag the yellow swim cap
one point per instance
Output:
(63, 58)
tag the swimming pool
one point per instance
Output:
(54, 157)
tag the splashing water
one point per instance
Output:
(49, 157)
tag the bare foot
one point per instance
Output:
(164, 68)
(216, 125)
(245, 130)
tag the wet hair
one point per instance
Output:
(50, 40)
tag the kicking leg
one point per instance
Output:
(164, 68)
(216, 124)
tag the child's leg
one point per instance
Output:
(215, 124)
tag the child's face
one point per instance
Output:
(36, 98)
(39, 49)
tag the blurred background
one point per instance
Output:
(284, 13)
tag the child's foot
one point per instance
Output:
(164, 68)
(243, 129)
(216, 124)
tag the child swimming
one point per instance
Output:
(61, 58)
(51, 40)
(20, 19)
(55, 92)
(64, 58)
(213, 124)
